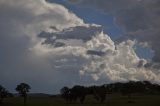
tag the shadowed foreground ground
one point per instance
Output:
(112, 100)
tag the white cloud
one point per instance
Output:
(105, 59)
(120, 62)
(139, 19)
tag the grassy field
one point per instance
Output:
(111, 100)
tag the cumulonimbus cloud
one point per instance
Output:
(47, 40)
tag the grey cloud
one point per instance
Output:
(59, 44)
(141, 63)
(152, 65)
(84, 33)
(94, 52)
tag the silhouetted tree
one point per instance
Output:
(65, 93)
(3, 93)
(78, 92)
(75, 93)
(128, 89)
(23, 89)
(99, 93)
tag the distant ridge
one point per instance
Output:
(35, 95)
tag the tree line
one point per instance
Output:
(78, 92)
(100, 92)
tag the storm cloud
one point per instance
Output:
(48, 46)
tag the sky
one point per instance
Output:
(54, 43)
